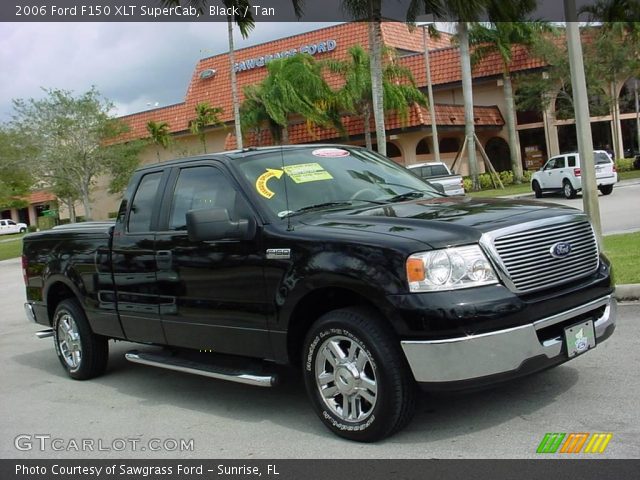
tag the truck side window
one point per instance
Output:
(571, 161)
(198, 188)
(143, 202)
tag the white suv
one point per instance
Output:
(9, 226)
(562, 174)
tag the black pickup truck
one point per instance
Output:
(331, 259)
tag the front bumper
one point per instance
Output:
(30, 312)
(494, 356)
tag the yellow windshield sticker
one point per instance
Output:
(307, 172)
(261, 182)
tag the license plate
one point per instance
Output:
(580, 338)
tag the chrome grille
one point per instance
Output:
(526, 255)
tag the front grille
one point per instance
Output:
(526, 255)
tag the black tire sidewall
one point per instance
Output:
(382, 420)
(536, 189)
(572, 192)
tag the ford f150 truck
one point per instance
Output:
(438, 173)
(332, 259)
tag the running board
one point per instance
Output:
(178, 364)
(45, 333)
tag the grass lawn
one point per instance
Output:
(628, 175)
(508, 190)
(11, 248)
(624, 253)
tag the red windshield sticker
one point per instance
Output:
(330, 152)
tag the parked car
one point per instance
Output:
(9, 226)
(439, 173)
(332, 259)
(562, 173)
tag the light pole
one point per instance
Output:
(635, 91)
(583, 119)
(432, 107)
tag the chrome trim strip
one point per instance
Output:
(30, 313)
(475, 356)
(248, 379)
(45, 333)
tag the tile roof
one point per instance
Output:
(216, 90)
(446, 115)
(40, 196)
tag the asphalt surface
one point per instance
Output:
(619, 212)
(596, 392)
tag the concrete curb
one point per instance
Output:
(629, 292)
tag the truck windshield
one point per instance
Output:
(328, 177)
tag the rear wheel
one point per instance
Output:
(536, 189)
(82, 353)
(22, 230)
(568, 190)
(606, 189)
(356, 375)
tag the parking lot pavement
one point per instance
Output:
(597, 392)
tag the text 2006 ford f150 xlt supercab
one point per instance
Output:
(332, 259)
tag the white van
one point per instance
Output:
(562, 174)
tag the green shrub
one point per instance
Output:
(32, 228)
(485, 181)
(526, 176)
(506, 177)
(468, 184)
(624, 164)
(46, 223)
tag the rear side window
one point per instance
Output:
(143, 202)
(571, 161)
(434, 171)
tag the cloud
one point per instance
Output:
(132, 64)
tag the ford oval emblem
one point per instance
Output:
(560, 249)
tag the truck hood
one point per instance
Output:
(439, 222)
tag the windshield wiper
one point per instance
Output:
(317, 206)
(406, 196)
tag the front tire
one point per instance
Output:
(606, 189)
(22, 230)
(356, 375)
(568, 190)
(82, 353)
(536, 189)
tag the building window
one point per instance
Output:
(393, 151)
(449, 145)
(498, 152)
(423, 147)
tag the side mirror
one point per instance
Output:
(214, 224)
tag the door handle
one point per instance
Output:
(164, 259)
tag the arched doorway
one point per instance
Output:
(499, 153)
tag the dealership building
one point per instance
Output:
(541, 134)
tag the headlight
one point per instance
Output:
(449, 269)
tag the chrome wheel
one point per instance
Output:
(69, 343)
(346, 378)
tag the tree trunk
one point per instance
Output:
(158, 153)
(284, 138)
(467, 93)
(70, 203)
(367, 127)
(86, 203)
(635, 92)
(204, 143)
(375, 46)
(234, 85)
(514, 141)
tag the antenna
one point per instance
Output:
(286, 192)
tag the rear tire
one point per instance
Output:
(82, 353)
(356, 375)
(568, 190)
(536, 189)
(606, 189)
(22, 230)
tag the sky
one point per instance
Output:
(135, 65)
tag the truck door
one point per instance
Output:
(212, 293)
(134, 264)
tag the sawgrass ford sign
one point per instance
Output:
(312, 49)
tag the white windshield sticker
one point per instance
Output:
(330, 152)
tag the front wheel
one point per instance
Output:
(22, 230)
(606, 189)
(568, 190)
(356, 375)
(536, 189)
(82, 353)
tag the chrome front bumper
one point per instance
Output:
(500, 352)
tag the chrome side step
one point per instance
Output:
(45, 333)
(178, 364)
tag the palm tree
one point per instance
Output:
(205, 115)
(355, 95)
(500, 37)
(294, 86)
(159, 135)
